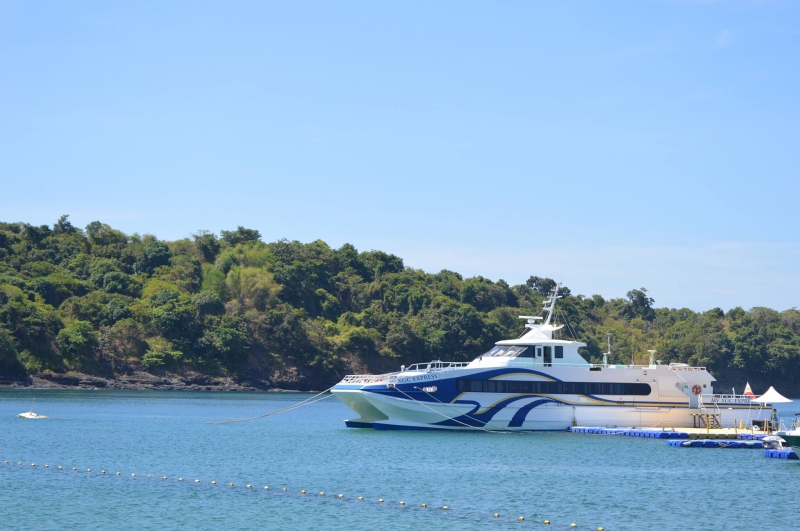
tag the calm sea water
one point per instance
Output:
(617, 483)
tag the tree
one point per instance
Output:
(208, 303)
(639, 305)
(542, 286)
(208, 245)
(240, 235)
(155, 254)
(63, 226)
(78, 344)
(8, 353)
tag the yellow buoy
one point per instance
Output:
(33, 464)
(266, 487)
(402, 503)
(164, 478)
(133, 475)
(213, 482)
(302, 492)
(497, 515)
(284, 489)
(423, 505)
(445, 507)
(197, 481)
(573, 524)
(248, 486)
(380, 500)
(102, 471)
(5, 462)
(20, 463)
(521, 518)
(73, 468)
(600, 529)
(547, 522)
(322, 494)
(119, 474)
(341, 495)
(59, 467)
(230, 484)
(149, 475)
(47, 466)
(88, 469)
(361, 497)
(180, 479)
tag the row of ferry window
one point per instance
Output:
(553, 388)
(524, 352)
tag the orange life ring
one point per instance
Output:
(697, 389)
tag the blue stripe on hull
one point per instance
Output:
(357, 424)
(400, 427)
(381, 426)
(519, 416)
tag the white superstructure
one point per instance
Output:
(536, 382)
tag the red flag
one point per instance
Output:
(748, 391)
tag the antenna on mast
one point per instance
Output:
(608, 352)
(550, 304)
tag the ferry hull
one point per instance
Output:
(492, 412)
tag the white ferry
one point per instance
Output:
(535, 383)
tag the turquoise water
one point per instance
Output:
(618, 483)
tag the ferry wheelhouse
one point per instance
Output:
(536, 382)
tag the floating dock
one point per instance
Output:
(676, 434)
(706, 443)
(786, 453)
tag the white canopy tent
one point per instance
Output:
(772, 397)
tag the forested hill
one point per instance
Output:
(286, 314)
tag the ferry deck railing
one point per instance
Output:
(437, 366)
(363, 379)
(433, 366)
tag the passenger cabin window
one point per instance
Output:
(559, 351)
(553, 388)
(526, 353)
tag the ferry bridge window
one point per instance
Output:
(559, 351)
(552, 388)
(510, 352)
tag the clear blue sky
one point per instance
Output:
(613, 145)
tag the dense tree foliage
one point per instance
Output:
(103, 302)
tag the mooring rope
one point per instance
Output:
(306, 402)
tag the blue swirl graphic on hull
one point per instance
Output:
(479, 420)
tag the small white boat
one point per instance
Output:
(30, 414)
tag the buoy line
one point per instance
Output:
(302, 403)
(303, 493)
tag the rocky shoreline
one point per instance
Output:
(140, 380)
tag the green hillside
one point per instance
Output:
(98, 301)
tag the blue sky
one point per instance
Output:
(613, 145)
